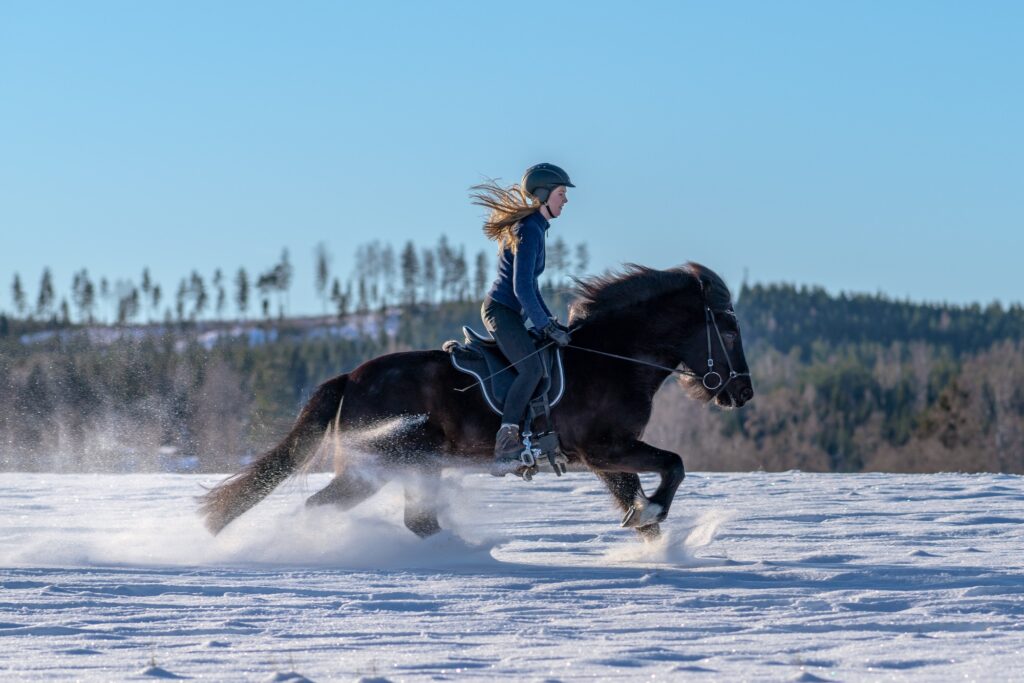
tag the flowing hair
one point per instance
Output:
(508, 206)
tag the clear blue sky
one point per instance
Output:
(863, 146)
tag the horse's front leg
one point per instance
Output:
(626, 489)
(618, 467)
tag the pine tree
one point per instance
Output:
(197, 288)
(446, 267)
(340, 299)
(558, 259)
(179, 300)
(363, 302)
(480, 275)
(105, 297)
(222, 297)
(322, 261)
(284, 280)
(156, 295)
(18, 295)
(582, 259)
(83, 293)
(389, 272)
(429, 276)
(46, 296)
(242, 292)
(147, 288)
(410, 273)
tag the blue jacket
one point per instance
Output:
(516, 285)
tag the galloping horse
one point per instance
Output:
(632, 330)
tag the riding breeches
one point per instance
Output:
(508, 329)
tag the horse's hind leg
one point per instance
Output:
(421, 502)
(347, 489)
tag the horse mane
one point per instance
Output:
(635, 284)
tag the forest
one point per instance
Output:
(117, 377)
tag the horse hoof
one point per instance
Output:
(642, 513)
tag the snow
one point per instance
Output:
(778, 577)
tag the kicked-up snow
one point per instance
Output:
(759, 577)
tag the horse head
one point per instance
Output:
(680, 316)
(712, 352)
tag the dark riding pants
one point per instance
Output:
(509, 330)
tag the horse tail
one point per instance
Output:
(239, 492)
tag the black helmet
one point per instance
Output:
(539, 180)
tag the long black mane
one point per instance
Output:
(601, 295)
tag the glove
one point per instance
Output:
(564, 328)
(556, 334)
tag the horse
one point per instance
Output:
(632, 330)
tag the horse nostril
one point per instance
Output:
(746, 394)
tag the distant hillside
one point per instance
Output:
(785, 317)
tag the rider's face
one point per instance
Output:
(557, 200)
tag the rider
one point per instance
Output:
(519, 221)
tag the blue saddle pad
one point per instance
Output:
(480, 357)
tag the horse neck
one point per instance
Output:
(655, 336)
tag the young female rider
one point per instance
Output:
(519, 221)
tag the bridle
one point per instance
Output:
(711, 379)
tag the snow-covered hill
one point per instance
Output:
(776, 577)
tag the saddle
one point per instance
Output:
(480, 357)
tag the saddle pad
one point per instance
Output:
(480, 358)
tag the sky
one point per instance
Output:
(863, 147)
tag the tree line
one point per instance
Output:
(844, 383)
(382, 276)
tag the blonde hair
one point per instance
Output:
(508, 206)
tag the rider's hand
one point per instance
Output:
(564, 328)
(556, 334)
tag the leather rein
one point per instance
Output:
(712, 379)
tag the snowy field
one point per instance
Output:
(760, 577)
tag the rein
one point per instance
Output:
(711, 379)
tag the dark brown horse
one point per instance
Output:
(662, 319)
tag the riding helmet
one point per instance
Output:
(541, 179)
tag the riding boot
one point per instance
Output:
(508, 448)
